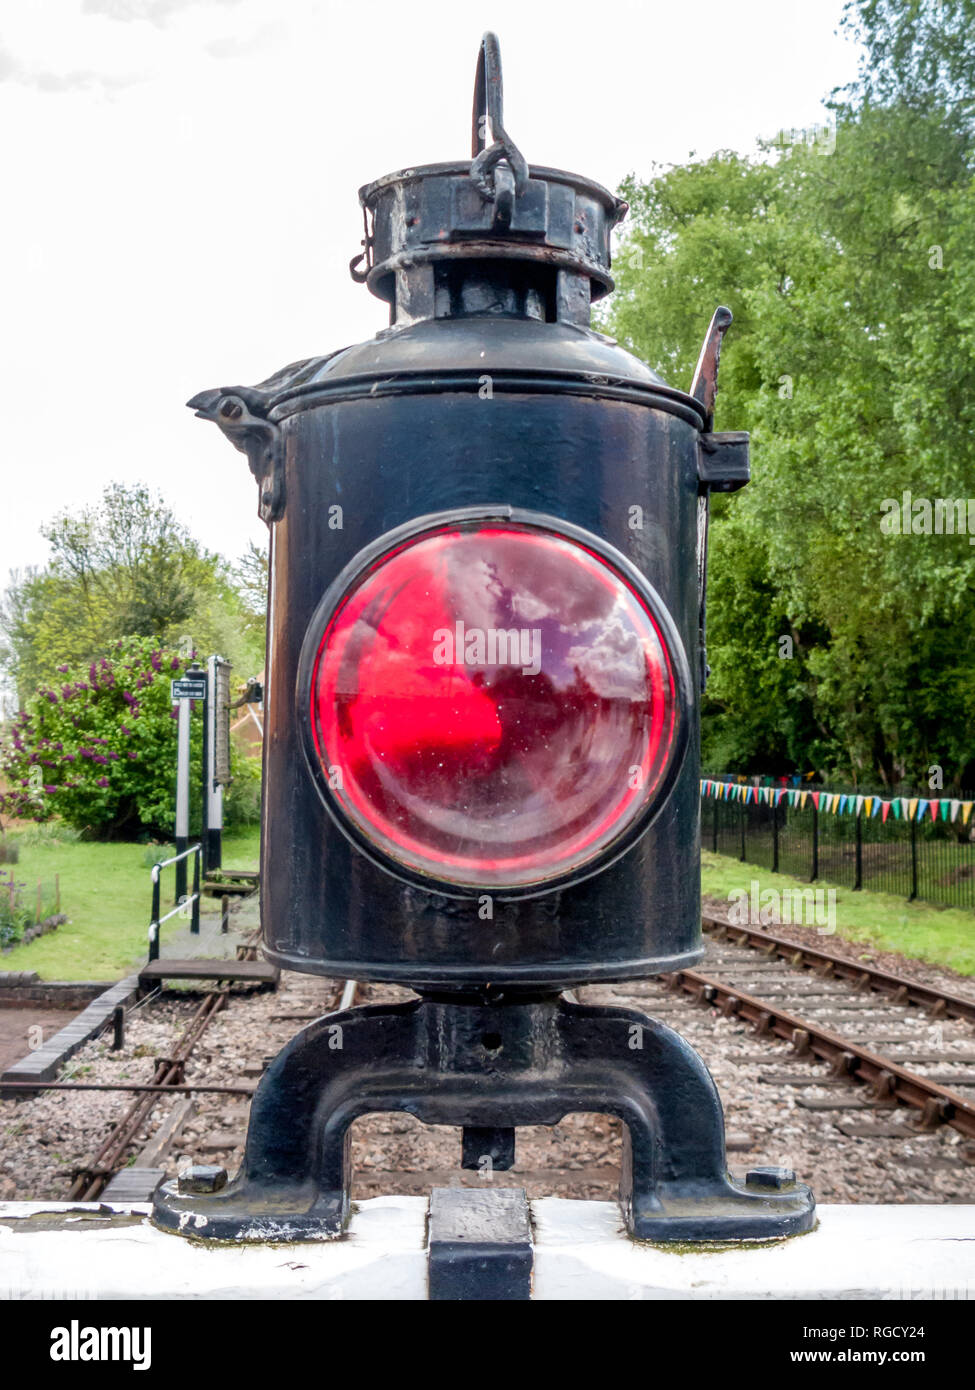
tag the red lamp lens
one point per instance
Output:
(493, 705)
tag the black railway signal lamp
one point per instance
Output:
(485, 653)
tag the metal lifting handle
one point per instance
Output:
(489, 110)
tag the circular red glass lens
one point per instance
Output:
(493, 705)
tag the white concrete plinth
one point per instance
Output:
(886, 1252)
(80, 1251)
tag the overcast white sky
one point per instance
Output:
(180, 179)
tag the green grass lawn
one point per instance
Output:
(943, 936)
(106, 893)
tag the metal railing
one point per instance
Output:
(192, 899)
(931, 861)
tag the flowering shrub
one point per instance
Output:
(99, 747)
(14, 915)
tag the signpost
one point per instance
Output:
(193, 686)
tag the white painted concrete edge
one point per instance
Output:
(581, 1252)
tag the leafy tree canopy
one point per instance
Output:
(125, 566)
(851, 275)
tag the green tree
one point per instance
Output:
(124, 566)
(851, 276)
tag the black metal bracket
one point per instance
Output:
(238, 413)
(723, 464)
(487, 1067)
(704, 386)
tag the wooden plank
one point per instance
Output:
(784, 1078)
(850, 1102)
(919, 1058)
(256, 971)
(133, 1185)
(158, 1146)
(879, 1129)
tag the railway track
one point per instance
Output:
(112, 1157)
(92, 1178)
(871, 1026)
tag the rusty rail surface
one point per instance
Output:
(154, 1088)
(899, 988)
(937, 1104)
(92, 1176)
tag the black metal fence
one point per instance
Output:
(932, 860)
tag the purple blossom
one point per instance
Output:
(62, 669)
(51, 696)
(80, 685)
(69, 757)
(133, 755)
(67, 691)
(99, 758)
(50, 789)
(155, 661)
(129, 698)
(103, 781)
(124, 730)
(174, 664)
(113, 755)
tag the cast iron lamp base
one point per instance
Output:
(488, 1067)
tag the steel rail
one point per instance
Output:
(938, 1104)
(170, 1088)
(900, 988)
(91, 1176)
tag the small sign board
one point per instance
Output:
(188, 689)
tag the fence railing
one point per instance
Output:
(910, 856)
(191, 900)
